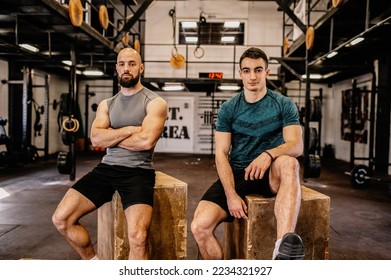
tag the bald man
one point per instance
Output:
(128, 125)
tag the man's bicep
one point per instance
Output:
(102, 119)
(223, 141)
(155, 118)
(293, 133)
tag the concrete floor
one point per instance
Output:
(360, 218)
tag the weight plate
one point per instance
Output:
(359, 177)
(64, 163)
(313, 143)
(314, 166)
(75, 12)
(285, 45)
(136, 45)
(309, 37)
(103, 17)
(337, 3)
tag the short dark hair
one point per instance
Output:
(254, 53)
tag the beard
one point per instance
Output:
(129, 82)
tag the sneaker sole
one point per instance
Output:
(291, 248)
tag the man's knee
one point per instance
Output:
(59, 222)
(138, 237)
(288, 163)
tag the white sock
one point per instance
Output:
(276, 247)
(94, 258)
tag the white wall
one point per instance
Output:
(263, 28)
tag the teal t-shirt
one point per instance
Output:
(255, 127)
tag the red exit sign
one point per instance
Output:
(211, 75)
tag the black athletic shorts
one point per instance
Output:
(135, 185)
(216, 192)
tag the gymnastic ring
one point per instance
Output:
(199, 55)
(74, 125)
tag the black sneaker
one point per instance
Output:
(291, 248)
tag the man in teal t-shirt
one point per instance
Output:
(258, 138)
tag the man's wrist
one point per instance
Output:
(269, 154)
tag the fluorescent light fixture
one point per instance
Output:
(328, 75)
(319, 76)
(93, 72)
(189, 24)
(173, 86)
(332, 54)
(29, 47)
(228, 87)
(155, 85)
(67, 62)
(228, 39)
(355, 41)
(231, 24)
(191, 39)
(312, 76)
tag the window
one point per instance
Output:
(211, 33)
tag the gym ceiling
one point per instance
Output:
(46, 24)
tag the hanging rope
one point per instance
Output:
(172, 14)
(199, 52)
(177, 60)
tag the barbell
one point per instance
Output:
(360, 176)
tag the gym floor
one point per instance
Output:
(360, 218)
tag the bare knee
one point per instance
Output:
(199, 232)
(138, 237)
(59, 222)
(289, 165)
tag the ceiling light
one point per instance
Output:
(154, 84)
(173, 87)
(67, 62)
(355, 41)
(312, 76)
(189, 24)
(29, 47)
(228, 39)
(191, 39)
(328, 75)
(93, 72)
(228, 87)
(231, 24)
(319, 76)
(332, 54)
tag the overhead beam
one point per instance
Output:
(129, 24)
(284, 5)
(283, 63)
(87, 29)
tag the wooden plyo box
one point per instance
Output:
(168, 233)
(254, 238)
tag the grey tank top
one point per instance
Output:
(124, 111)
